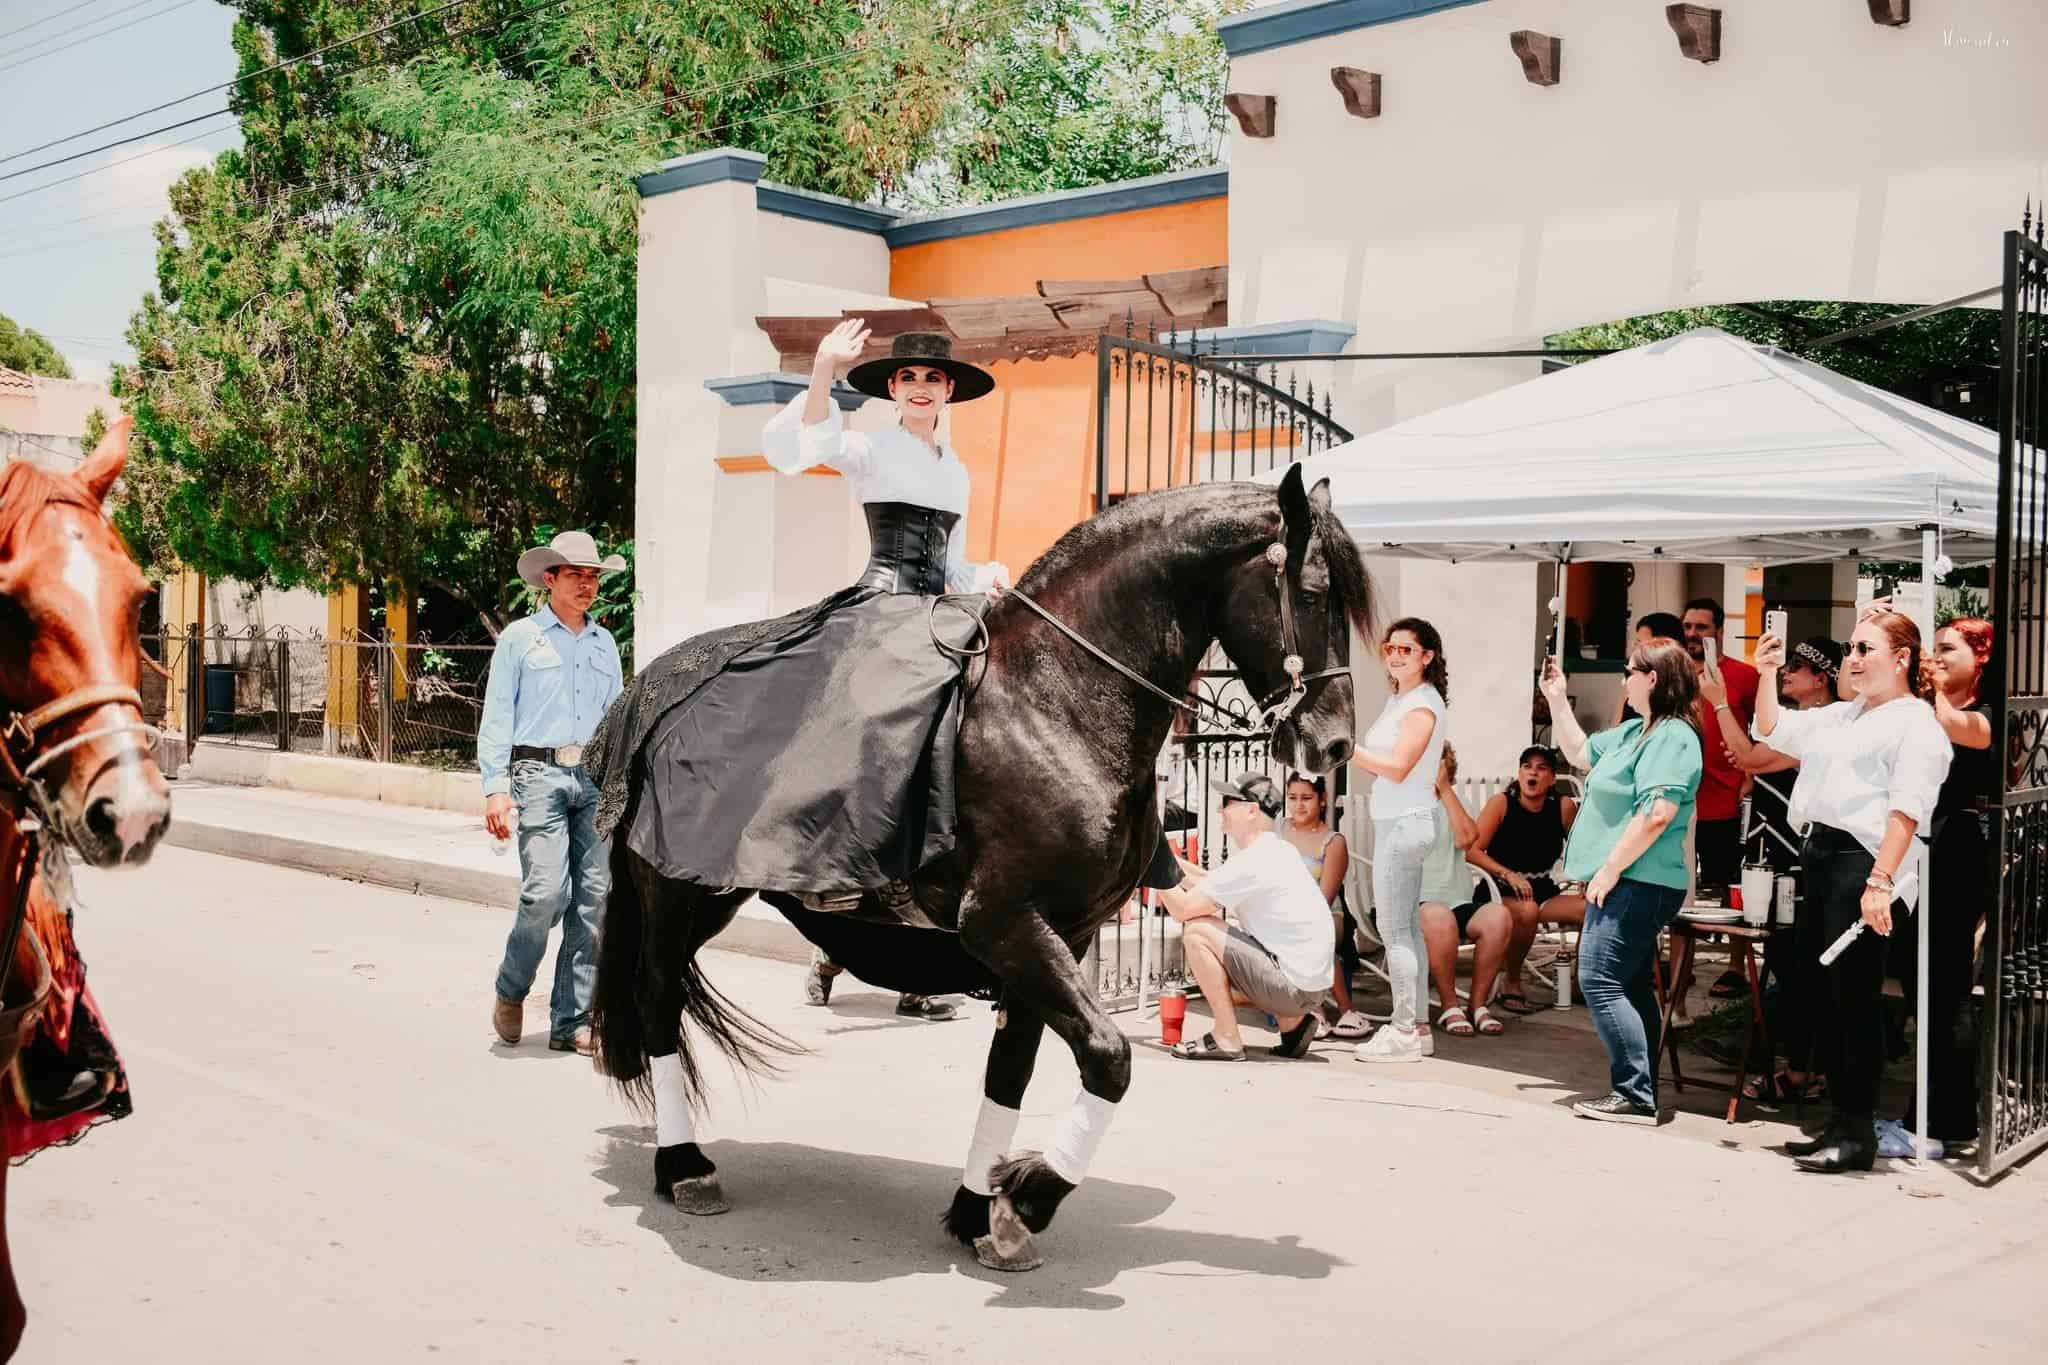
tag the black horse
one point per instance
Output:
(1057, 823)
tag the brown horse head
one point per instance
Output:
(70, 659)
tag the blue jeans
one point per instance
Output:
(1617, 953)
(566, 873)
(1400, 846)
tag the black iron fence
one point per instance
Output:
(361, 697)
(2013, 1118)
(1167, 414)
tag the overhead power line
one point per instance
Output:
(103, 33)
(48, 18)
(253, 75)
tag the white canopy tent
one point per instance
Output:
(1702, 447)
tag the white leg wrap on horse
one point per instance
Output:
(672, 1120)
(1079, 1134)
(993, 1131)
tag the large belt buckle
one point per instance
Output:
(569, 755)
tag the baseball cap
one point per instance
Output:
(1256, 788)
(1542, 751)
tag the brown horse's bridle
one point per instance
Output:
(21, 768)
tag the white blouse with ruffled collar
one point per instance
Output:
(889, 465)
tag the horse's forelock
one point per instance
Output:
(25, 491)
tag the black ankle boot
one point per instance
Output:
(1845, 1153)
(1826, 1137)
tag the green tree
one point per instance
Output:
(1911, 360)
(1073, 93)
(27, 350)
(393, 333)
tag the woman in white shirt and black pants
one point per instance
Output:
(1402, 751)
(1869, 771)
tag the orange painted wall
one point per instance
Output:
(1116, 246)
(1030, 445)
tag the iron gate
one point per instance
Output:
(2013, 1120)
(1168, 415)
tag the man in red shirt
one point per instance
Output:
(1717, 836)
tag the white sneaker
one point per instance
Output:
(1390, 1045)
(1681, 1017)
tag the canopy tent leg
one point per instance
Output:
(1920, 1030)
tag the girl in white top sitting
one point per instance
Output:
(1402, 751)
(1869, 771)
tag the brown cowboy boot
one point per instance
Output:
(506, 1018)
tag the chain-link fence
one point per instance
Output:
(362, 697)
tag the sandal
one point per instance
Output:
(1729, 985)
(1514, 1002)
(1206, 1049)
(1351, 1025)
(1454, 1022)
(1487, 1022)
(1780, 1088)
(1294, 1043)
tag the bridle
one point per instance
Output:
(21, 730)
(22, 767)
(1274, 709)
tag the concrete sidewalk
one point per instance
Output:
(408, 848)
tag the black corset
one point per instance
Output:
(907, 548)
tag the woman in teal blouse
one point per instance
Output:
(1628, 847)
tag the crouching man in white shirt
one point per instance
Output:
(1282, 957)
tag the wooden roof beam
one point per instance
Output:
(1360, 89)
(1699, 30)
(1540, 55)
(1254, 113)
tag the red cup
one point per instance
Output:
(1734, 898)
(1173, 1011)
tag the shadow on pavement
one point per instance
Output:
(808, 1214)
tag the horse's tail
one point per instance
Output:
(627, 986)
(615, 1006)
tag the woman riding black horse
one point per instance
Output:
(931, 844)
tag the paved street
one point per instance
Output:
(330, 1161)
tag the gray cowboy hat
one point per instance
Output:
(571, 547)
(922, 348)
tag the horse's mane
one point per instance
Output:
(1088, 541)
(26, 490)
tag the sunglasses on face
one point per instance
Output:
(1864, 647)
(1640, 668)
(1394, 651)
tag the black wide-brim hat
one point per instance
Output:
(922, 348)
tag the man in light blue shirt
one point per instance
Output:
(552, 676)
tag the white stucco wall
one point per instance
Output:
(717, 547)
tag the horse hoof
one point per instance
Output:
(699, 1195)
(1009, 1245)
(1025, 1258)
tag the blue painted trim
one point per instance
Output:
(1311, 336)
(822, 208)
(701, 168)
(1280, 25)
(747, 390)
(1179, 187)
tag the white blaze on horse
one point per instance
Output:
(1056, 823)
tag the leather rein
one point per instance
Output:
(21, 776)
(1274, 708)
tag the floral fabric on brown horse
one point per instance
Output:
(68, 1076)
